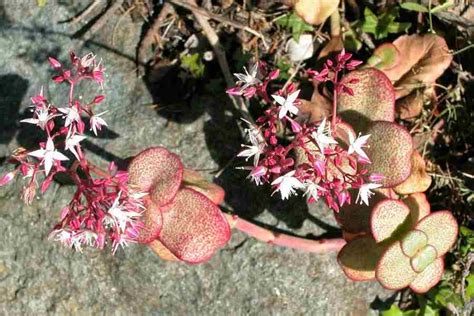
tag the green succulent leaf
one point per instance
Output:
(413, 242)
(423, 258)
(384, 24)
(470, 286)
(413, 6)
(194, 64)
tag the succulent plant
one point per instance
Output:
(405, 246)
(182, 220)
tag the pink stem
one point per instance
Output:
(334, 103)
(284, 240)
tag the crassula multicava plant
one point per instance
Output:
(358, 160)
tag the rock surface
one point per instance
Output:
(38, 276)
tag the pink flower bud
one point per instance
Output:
(98, 99)
(56, 64)
(274, 74)
(46, 183)
(234, 91)
(7, 178)
(58, 79)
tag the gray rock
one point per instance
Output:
(39, 276)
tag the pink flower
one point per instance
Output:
(365, 193)
(355, 145)
(72, 115)
(287, 185)
(42, 118)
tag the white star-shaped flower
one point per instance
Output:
(355, 145)
(49, 155)
(312, 189)
(257, 173)
(253, 133)
(287, 185)
(121, 216)
(288, 104)
(72, 142)
(248, 78)
(43, 117)
(321, 136)
(97, 122)
(72, 115)
(365, 193)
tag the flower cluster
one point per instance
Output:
(322, 159)
(104, 209)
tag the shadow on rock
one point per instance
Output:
(12, 91)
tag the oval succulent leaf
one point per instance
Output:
(413, 242)
(161, 251)
(441, 228)
(152, 221)
(389, 218)
(373, 99)
(193, 227)
(394, 271)
(423, 258)
(359, 267)
(429, 277)
(158, 171)
(193, 180)
(418, 205)
(389, 148)
(419, 180)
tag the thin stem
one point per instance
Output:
(334, 103)
(284, 240)
(430, 16)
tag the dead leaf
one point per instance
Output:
(423, 58)
(317, 108)
(410, 106)
(334, 45)
(315, 11)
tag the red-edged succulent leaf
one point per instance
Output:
(441, 228)
(389, 148)
(153, 222)
(158, 171)
(355, 218)
(418, 205)
(193, 180)
(161, 251)
(419, 180)
(423, 258)
(388, 218)
(429, 277)
(359, 257)
(393, 270)
(413, 241)
(193, 227)
(373, 99)
(423, 59)
(385, 56)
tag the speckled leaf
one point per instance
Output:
(425, 256)
(359, 267)
(355, 218)
(389, 217)
(429, 277)
(193, 227)
(373, 99)
(393, 270)
(441, 228)
(419, 180)
(153, 222)
(413, 242)
(193, 180)
(157, 171)
(389, 148)
(418, 205)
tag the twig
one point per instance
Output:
(102, 20)
(153, 33)
(284, 240)
(83, 14)
(219, 18)
(213, 39)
